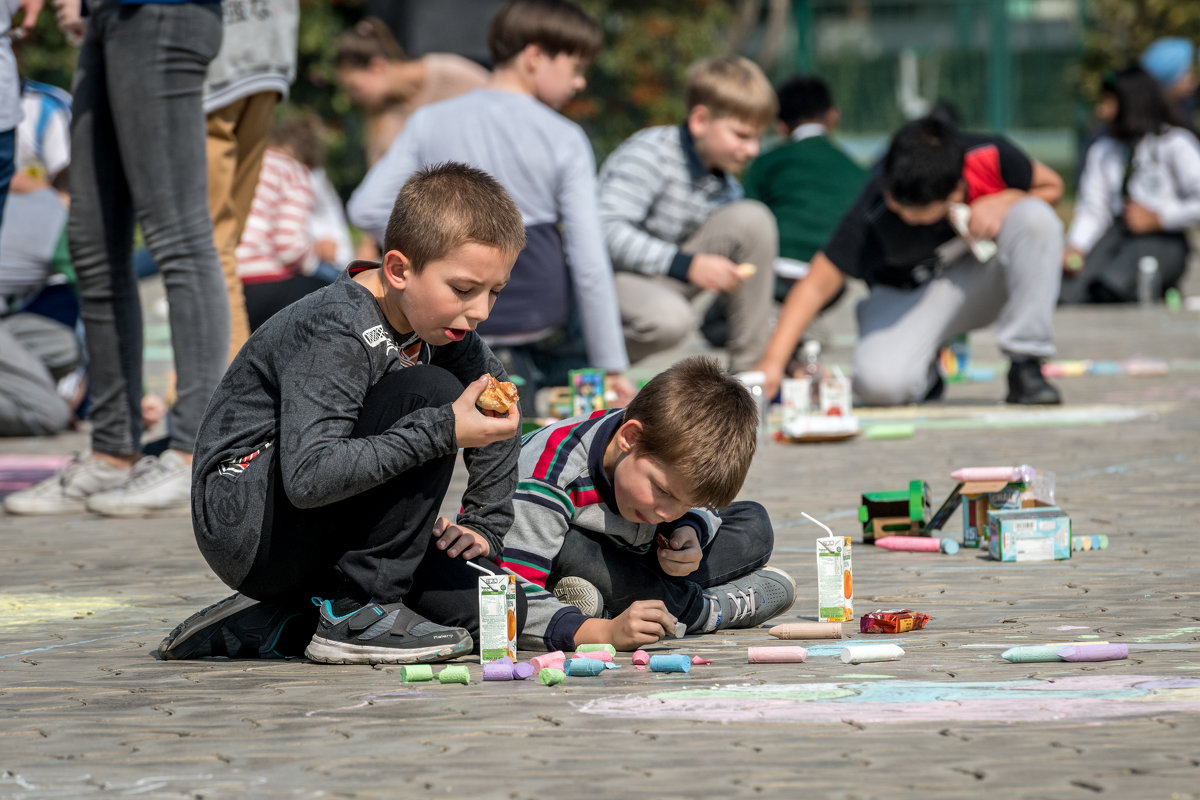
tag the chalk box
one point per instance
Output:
(1029, 534)
(831, 579)
(497, 617)
(587, 391)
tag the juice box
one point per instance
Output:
(848, 579)
(831, 579)
(497, 617)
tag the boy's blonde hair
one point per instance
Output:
(732, 87)
(556, 26)
(702, 423)
(447, 205)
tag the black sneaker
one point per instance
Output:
(382, 634)
(239, 627)
(1027, 386)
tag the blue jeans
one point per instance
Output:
(138, 155)
(8, 143)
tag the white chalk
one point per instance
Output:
(868, 653)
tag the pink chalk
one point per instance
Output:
(553, 660)
(776, 655)
(595, 655)
(1021, 474)
(1094, 652)
(920, 544)
(639, 666)
(640, 658)
(699, 660)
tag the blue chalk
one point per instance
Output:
(583, 667)
(672, 663)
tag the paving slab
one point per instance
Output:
(87, 711)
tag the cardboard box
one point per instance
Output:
(497, 617)
(981, 497)
(900, 513)
(1042, 533)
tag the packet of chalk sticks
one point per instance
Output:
(497, 617)
(898, 621)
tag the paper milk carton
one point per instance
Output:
(832, 582)
(497, 617)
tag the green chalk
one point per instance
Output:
(456, 674)
(550, 676)
(1173, 300)
(596, 648)
(416, 672)
(1032, 653)
(897, 430)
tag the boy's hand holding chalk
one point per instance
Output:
(680, 555)
(644, 622)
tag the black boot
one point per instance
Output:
(1027, 386)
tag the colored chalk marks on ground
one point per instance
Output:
(18, 471)
(17, 610)
(1092, 697)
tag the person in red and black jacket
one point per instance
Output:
(927, 282)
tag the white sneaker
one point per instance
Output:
(156, 487)
(67, 491)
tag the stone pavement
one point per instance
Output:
(87, 711)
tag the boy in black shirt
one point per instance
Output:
(929, 284)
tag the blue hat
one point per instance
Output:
(1167, 59)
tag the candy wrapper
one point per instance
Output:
(892, 621)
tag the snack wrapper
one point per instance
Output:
(895, 621)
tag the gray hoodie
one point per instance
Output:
(258, 51)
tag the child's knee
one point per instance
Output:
(752, 220)
(437, 385)
(753, 523)
(1033, 219)
(889, 382)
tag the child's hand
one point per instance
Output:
(474, 427)
(457, 540)
(680, 555)
(644, 622)
(715, 273)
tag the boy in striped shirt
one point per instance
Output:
(617, 510)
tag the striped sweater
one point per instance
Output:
(277, 243)
(561, 485)
(654, 194)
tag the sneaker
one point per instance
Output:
(382, 634)
(159, 485)
(577, 592)
(753, 599)
(239, 627)
(1027, 386)
(68, 491)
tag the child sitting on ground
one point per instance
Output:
(618, 510)
(328, 447)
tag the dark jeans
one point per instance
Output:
(544, 363)
(8, 145)
(743, 544)
(1110, 271)
(264, 299)
(138, 155)
(378, 544)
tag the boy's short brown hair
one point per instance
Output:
(447, 205)
(556, 26)
(300, 133)
(701, 422)
(732, 87)
(369, 39)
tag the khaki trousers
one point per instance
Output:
(656, 312)
(237, 140)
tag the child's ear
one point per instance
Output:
(629, 435)
(698, 120)
(396, 269)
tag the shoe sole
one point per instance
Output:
(329, 651)
(586, 598)
(31, 511)
(168, 649)
(139, 513)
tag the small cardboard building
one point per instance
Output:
(898, 513)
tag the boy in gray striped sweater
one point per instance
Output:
(675, 221)
(618, 511)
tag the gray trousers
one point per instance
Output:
(900, 331)
(34, 353)
(656, 313)
(138, 155)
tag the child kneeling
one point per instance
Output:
(328, 447)
(617, 511)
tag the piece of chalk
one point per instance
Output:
(497, 671)
(699, 660)
(640, 658)
(550, 676)
(583, 667)
(672, 663)
(595, 648)
(921, 544)
(1089, 541)
(897, 430)
(807, 630)
(1108, 652)
(455, 674)
(522, 671)
(1030, 654)
(746, 269)
(790, 654)
(867, 654)
(680, 630)
(552, 660)
(416, 672)
(598, 655)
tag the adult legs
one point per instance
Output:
(655, 313)
(31, 348)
